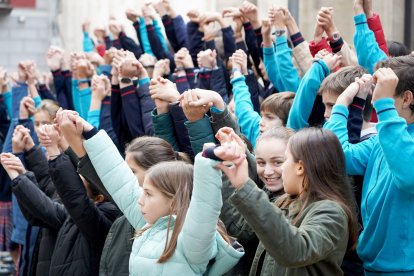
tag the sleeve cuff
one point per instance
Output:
(340, 112)
(385, 108)
(89, 134)
(143, 81)
(360, 20)
(268, 50)
(237, 79)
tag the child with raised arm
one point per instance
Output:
(385, 161)
(308, 230)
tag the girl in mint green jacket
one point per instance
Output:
(180, 236)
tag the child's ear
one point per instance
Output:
(99, 198)
(300, 169)
(408, 98)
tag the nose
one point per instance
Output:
(261, 123)
(268, 170)
(327, 115)
(141, 200)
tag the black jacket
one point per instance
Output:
(81, 238)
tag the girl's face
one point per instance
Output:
(270, 155)
(136, 169)
(269, 121)
(154, 204)
(41, 118)
(292, 175)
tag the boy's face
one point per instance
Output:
(329, 100)
(269, 121)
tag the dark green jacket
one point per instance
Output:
(315, 246)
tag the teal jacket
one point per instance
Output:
(279, 66)
(198, 242)
(366, 46)
(247, 118)
(81, 99)
(305, 96)
(387, 242)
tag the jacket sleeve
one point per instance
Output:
(163, 128)
(116, 111)
(116, 176)
(91, 221)
(218, 83)
(36, 162)
(223, 118)
(195, 42)
(175, 30)
(45, 93)
(147, 105)
(288, 73)
(87, 43)
(182, 84)
(355, 120)
(157, 46)
(67, 75)
(229, 43)
(396, 143)
(252, 45)
(40, 206)
(59, 84)
(131, 109)
(305, 96)
(301, 53)
(374, 23)
(130, 45)
(356, 155)
(247, 118)
(316, 47)
(94, 117)
(197, 237)
(253, 85)
(318, 235)
(181, 133)
(200, 132)
(367, 49)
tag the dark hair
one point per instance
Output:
(279, 104)
(403, 67)
(397, 49)
(148, 151)
(337, 82)
(325, 175)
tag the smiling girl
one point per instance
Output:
(309, 229)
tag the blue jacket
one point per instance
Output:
(387, 242)
(366, 46)
(198, 242)
(279, 67)
(247, 118)
(306, 94)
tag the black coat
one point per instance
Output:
(81, 238)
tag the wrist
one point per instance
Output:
(255, 24)
(53, 151)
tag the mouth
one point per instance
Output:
(272, 180)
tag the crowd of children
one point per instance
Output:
(238, 150)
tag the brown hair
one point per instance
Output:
(175, 181)
(403, 67)
(325, 175)
(337, 82)
(148, 151)
(278, 104)
(48, 106)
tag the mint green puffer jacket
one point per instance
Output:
(198, 243)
